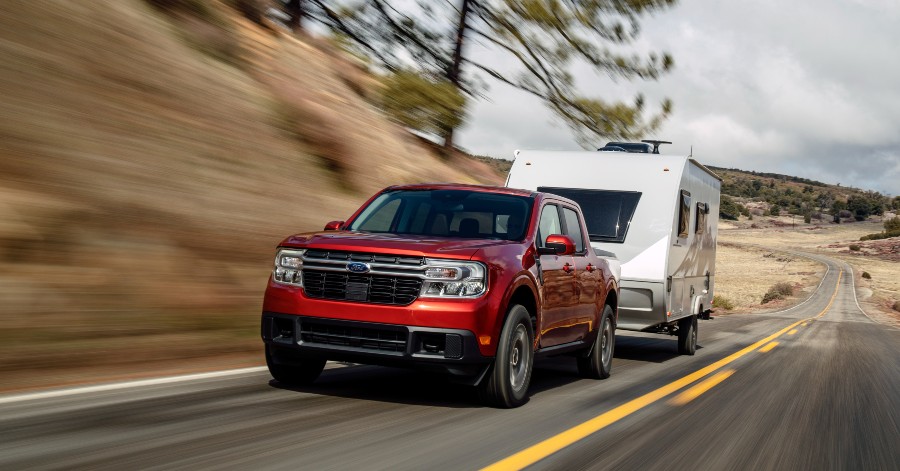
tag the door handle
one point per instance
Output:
(567, 268)
(589, 267)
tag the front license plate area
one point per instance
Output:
(357, 291)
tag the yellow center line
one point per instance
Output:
(792, 332)
(545, 448)
(695, 391)
(769, 347)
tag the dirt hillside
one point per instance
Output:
(151, 159)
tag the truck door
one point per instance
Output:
(558, 297)
(587, 277)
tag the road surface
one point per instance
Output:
(814, 387)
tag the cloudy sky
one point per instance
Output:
(808, 88)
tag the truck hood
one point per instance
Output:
(423, 246)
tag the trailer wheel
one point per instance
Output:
(303, 372)
(598, 364)
(687, 335)
(507, 383)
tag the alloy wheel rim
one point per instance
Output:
(518, 358)
(605, 345)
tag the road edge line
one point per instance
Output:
(55, 393)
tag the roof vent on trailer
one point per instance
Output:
(646, 146)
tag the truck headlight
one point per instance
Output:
(289, 267)
(452, 279)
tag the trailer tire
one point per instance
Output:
(598, 363)
(506, 384)
(300, 373)
(687, 335)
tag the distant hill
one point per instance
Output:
(773, 194)
(764, 193)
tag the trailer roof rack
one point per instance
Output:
(655, 144)
(646, 146)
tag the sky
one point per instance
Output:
(808, 88)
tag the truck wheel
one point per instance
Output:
(507, 383)
(297, 373)
(687, 335)
(598, 364)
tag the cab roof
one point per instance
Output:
(463, 186)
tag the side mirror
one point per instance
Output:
(334, 225)
(558, 244)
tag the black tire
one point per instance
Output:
(687, 335)
(598, 363)
(506, 385)
(296, 373)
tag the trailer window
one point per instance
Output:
(684, 214)
(607, 213)
(702, 211)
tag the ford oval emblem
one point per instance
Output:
(358, 267)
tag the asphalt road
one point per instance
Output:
(826, 395)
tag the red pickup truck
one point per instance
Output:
(473, 281)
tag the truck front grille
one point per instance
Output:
(381, 338)
(379, 289)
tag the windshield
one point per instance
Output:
(607, 213)
(447, 213)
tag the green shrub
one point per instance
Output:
(424, 103)
(892, 224)
(778, 291)
(882, 235)
(866, 275)
(855, 247)
(729, 209)
(722, 302)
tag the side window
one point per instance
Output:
(573, 228)
(702, 211)
(684, 213)
(549, 224)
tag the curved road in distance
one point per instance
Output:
(813, 387)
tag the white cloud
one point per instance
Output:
(807, 88)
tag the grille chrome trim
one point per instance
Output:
(388, 265)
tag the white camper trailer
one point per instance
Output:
(657, 213)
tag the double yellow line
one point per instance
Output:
(541, 450)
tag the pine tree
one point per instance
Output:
(545, 38)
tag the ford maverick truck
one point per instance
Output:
(471, 281)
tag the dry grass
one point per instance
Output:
(879, 258)
(744, 275)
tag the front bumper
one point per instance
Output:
(451, 351)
